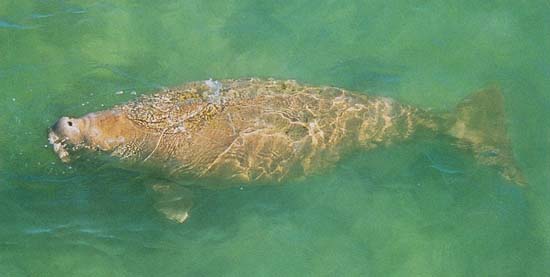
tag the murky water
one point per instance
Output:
(422, 208)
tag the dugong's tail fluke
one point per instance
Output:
(479, 123)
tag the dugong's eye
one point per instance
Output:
(70, 123)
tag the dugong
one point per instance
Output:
(254, 131)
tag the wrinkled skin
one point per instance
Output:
(254, 131)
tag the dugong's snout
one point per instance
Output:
(62, 133)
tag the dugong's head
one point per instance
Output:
(102, 131)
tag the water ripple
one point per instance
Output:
(15, 26)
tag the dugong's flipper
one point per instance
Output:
(173, 200)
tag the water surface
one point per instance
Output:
(422, 208)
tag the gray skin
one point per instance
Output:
(254, 131)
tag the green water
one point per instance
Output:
(422, 208)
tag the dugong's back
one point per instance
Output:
(259, 130)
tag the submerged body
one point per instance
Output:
(266, 130)
(253, 131)
(247, 130)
